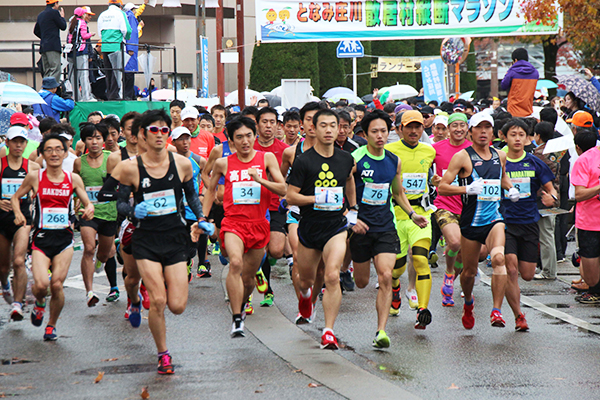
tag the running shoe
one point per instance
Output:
(92, 299)
(135, 316)
(127, 309)
(413, 299)
(521, 323)
(190, 265)
(16, 312)
(576, 259)
(98, 266)
(396, 301)
(442, 242)
(468, 319)
(248, 309)
(448, 291)
(37, 314)
(164, 365)
(488, 262)
(589, 298)
(305, 305)
(381, 341)
(145, 297)
(118, 254)
(496, 319)
(329, 341)
(237, 329)
(300, 320)
(433, 257)
(423, 318)
(113, 295)
(268, 301)
(216, 249)
(262, 285)
(347, 281)
(224, 261)
(50, 334)
(7, 294)
(203, 272)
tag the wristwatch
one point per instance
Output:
(354, 207)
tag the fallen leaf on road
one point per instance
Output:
(145, 394)
(313, 385)
(297, 370)
(144, 317)
(76, 383)
(99, 377)
(23, 387)
(453, 386)
(258, 391)
(7, 373)
(110, 359)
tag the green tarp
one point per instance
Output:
(82, 109)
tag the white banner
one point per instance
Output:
(288, 21)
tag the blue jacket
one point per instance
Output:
(49, 23)
(132, 64)
(56, 105)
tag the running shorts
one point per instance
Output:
(409, 233)
(523, 240)
(445, 217)
(254, 234)
(103, 227)
(478, 233)
(52, 242)
(125, 234)
(589, 243)
(217, 213)
(365, 247)
(167, 248)
(314, 234)
(8, 229)
(277, 221)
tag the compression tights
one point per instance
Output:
(420, 251)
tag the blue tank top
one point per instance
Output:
(484, 208)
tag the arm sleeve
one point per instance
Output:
(123, 206)
(191, 196)
(109, 190)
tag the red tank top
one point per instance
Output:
(245, 199)
(53, 202)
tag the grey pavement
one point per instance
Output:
(278, 359)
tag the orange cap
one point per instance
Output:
(115, 2)
(411, 116)
(582, 119)
(51, 1)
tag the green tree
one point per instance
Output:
(468, 78)
(363, 70)
(426, 48)
(331, 69)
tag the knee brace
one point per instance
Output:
(399, 268)
(420, 261)
(501, 269)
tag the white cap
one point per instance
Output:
(189, 112)
(16, 131)
(441, 119)
(177, 132)
(479, 118)
(129, 6)
(66, 135)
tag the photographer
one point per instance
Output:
(54, 102)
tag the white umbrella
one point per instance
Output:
(146, 62)
(232, 98)
(163, 94)
(398, 92)
(12, 92)
(186, 94)
(467, 95)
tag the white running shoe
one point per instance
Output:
(413, 299)
(237, 329)
(16, 313)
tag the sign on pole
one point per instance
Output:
(204, 46)
(350, 49)
(432, 72)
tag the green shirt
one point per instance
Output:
(93, 179)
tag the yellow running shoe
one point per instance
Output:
(261, 282)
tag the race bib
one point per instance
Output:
(414, 183)
(160, 203)
(246, 192)
(523, 185)
(92, 193)
(10, 187)
(491, 190)
(55, 218)
(338, 199)
(376, 194)
(455, 181)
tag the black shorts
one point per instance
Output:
(314, 234)
(217, 213)
(103, 227)
(52, 242)
(167, 248)
(589, 243)
(8, 229)
(523, 240)
(365, 247)
(277, 221)
(478, 233)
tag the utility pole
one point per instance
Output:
(198, 55)
(494, 70)
(220, 66)
(239, 16)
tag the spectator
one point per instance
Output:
(49, 23)
(520, 82)
(114, 30)
(133, 12)
(79, 36)
(54, 103)
(573, 104)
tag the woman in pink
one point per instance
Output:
(79, 36)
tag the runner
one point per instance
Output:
(416, 158)
(13, 170)
(291, 126)
(481, 173)
(175, 108)
(317, 184)
(158, 179)
(52, 243)
(219, 115)
(528, 174)
(245, 229)
(93, 171)
(377, 174)
(111, 143)
(449, 208)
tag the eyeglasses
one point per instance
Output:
(159, 129)
(58, 150)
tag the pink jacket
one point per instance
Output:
(83, 33)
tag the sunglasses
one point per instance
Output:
(159, 129)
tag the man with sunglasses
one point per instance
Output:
(428, 118)
(160, 243)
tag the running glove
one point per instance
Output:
(141, 210)
(513, 194)
(283, 206)
(325, 196)
(352, 217)
(207, 227)
(475, 187)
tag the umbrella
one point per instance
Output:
(467, 95)
(545, 83)
(274, 101)
(5, 114)
(583, 89)
(232, 98)
(146, 62)
(11, 92)
(351, 98)
(5, 76)
(397, 92)
(340, 90)
(185, 94)
(367, 98)
(163, 95)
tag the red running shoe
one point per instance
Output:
(164, 365)
(468, 319)
(496, 319)
(521, 323)
(329, 341)
(305, 305)
(145, 297)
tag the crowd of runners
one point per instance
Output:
(322, 187)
